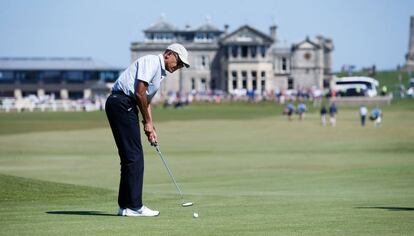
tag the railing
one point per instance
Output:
(21, 105)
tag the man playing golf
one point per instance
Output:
(133, 90)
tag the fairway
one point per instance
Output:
(248, 170)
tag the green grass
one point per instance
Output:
(63, 121)
(249, 171)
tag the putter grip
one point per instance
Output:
(156, 147)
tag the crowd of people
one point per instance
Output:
(332, 111)
(179, 100)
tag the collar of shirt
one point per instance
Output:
(163, 72)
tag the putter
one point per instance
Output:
(183, 203)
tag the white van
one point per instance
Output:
(356, 86)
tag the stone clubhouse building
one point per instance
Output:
(245, 59)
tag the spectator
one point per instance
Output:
(290, 108)
(301, 110)
(376, 116)
(323, 115)
(384, 90)
(332, 113)
(410, 92)
(363, 114)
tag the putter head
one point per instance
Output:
(187, 204)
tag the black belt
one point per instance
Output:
(118, 93)
(123, 95)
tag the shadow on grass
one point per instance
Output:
(80, 213)
(390, 208)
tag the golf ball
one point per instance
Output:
(195, 215)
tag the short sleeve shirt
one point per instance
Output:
(150, 69)
(363, 111)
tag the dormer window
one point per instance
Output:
(161, 37)
(204, 37)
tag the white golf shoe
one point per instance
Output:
(143, 211)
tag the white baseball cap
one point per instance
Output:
(181, 51)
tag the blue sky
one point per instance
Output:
(364, 32)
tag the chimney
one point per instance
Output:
(226, 29)
(273, 32)
(410, 54)
(320, 39)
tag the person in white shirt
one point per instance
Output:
(133, 91)
(363, 111)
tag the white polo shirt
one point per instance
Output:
(363, 111)
(150, 69)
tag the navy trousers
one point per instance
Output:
(363, 120)
(122, 114)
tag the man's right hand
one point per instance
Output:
(150, 133)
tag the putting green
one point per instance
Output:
(248, 170)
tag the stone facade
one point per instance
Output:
(239, 61)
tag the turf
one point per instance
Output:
(44, 121)
(248, 169)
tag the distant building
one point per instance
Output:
(64, 78)
(409, 65)
(239, 61)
